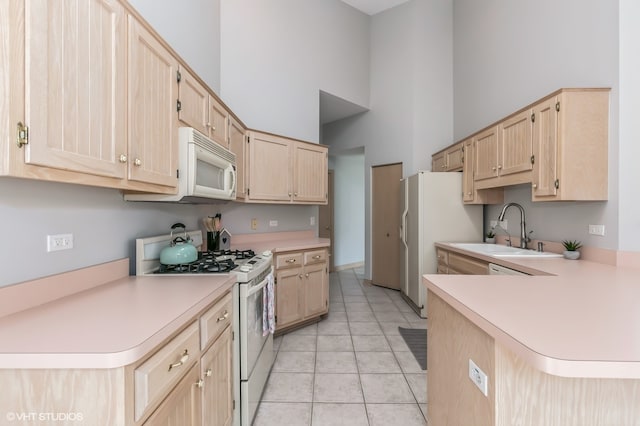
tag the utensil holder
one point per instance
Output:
(213, 241)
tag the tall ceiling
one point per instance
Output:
(371, 7)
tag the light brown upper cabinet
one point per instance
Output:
(284, 170)
(559, 145)
(237, 145)
(449, 159)
(152, 106)
(199, 109)
(570, 133)
(75, 84)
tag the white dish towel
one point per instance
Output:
(268, 314)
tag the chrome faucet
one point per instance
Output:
(523, 228)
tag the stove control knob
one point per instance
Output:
(245, 268)
(266, 253)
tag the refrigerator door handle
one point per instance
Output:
(403, 228)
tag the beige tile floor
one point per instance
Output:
(352, 368)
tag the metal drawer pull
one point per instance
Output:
(290, 260)
(183, 359)
(208, 373)
(224, 316)
(317, 256)
(200, 383)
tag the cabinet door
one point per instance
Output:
(310, 173)
(438, 162)
(453, 157)
(217, 389)
(76, 85)
(315, 290)
(194, 102)
(218, 122)
(289, 296)
(269, 168)
(182, 406)
(237, 145)
(153, 96)
(515, 144)
(545, 149)
(486, 154)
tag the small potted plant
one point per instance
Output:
(490, 237)
(571, 248)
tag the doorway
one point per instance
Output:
(325, 221)
(385, 225)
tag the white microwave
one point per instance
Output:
(207, 171)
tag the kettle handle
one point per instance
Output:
(184, 238)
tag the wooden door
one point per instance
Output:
(194, 102)
(76, 85)
(485, 163)
(269, 168)
(310, 172)
(325, 220)
(515, 144)
(545, 150)
(218, 122)
(153, 115)
(385, 223)
(217, 390)
(316, 302)
(238, 146)
(289, 296)
(182, 406)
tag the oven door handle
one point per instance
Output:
(258, 287)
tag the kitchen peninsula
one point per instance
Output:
(559, 348)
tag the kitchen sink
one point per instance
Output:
(498, 250)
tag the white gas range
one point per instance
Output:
(253, 351)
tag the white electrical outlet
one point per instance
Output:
(273, 223)
(596, 230)
(478, 377)
(59, 242)
(312, 220)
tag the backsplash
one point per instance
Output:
(105, 227)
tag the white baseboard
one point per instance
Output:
(348, 266)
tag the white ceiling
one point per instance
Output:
(371, 7)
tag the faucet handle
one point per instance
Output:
(528, 238)
(508, 240)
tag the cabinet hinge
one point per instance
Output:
(178, 76)
(177, 173)
(233, 337)
(234, 404)
(23, 135)
(248, 139)
(533, 117)
(556, 184)
(248, 192)
(178, 105)
(533, 159)
(276, 319)
(558, 106)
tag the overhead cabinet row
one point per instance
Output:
(96, 97)
(559, 145)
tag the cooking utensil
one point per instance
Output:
(180, 249)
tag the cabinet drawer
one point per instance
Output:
(442, 256)
(467, 265)
(215, 320)
(316, 256)
(288, 260)
(156, 376)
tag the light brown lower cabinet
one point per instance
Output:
(453, 263)
(182, 406)
(302, 287)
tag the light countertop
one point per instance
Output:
(107, 326)
(574, 319)
(279, 242)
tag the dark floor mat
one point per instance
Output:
(416, 339)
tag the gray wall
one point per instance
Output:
(411, 105)
(509, 53)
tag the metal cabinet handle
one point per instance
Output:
(183, 359)
(208, 373)
(493, 168)
(295, 194)
(535, 185)
(289, 194)
(499, 166)
(200, 383)
(306, 275)
(224, 316)
(123, 158)
(290, 260)
(317, 256)
(300, 276)
(137, 162)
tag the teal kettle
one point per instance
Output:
(180, 250)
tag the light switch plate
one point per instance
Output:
(478, 377)
(273, 223)
(59, 242)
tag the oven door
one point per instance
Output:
(251, 339)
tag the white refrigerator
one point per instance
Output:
(432, 211)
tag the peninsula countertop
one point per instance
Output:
(571, 319)
(109, 325)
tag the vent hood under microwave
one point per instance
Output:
(207, 172)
